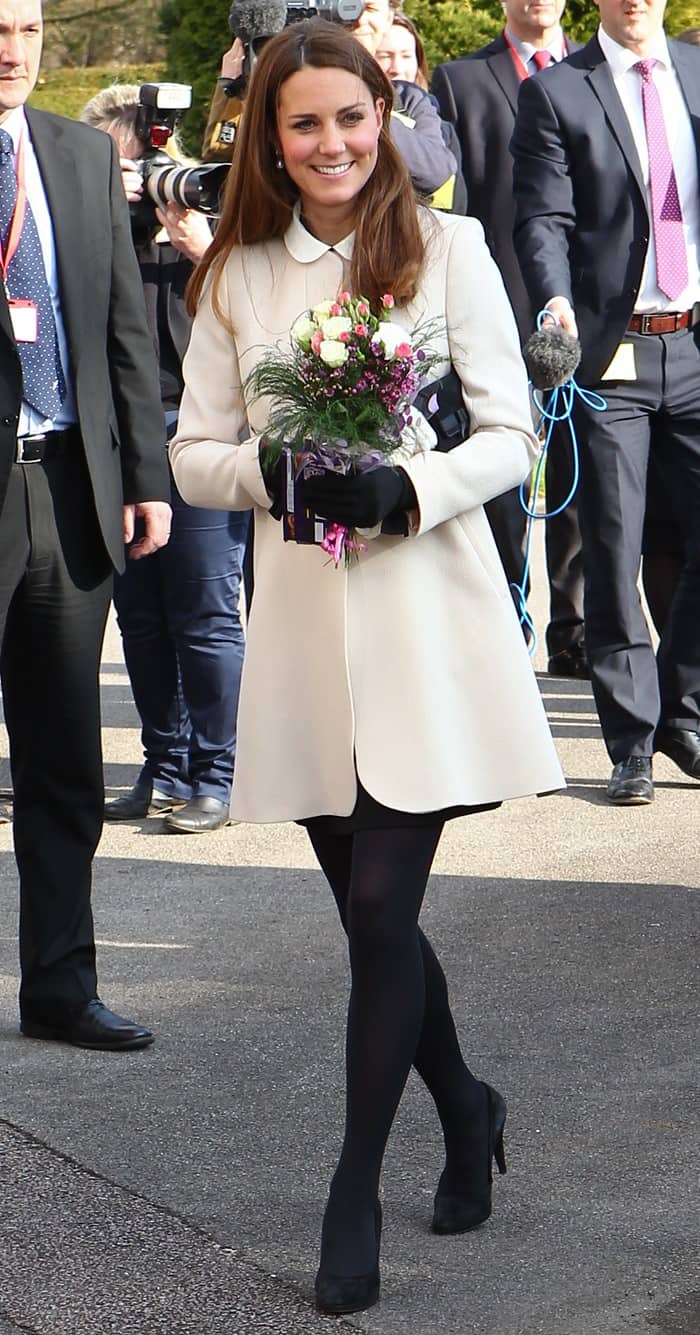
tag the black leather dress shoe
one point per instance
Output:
(570, 663)
(92, 1027)
(140, 802)
(630, 782)
(198, 816)
(682, 747)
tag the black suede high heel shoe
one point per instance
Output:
(341, 1294)
(458, 1212)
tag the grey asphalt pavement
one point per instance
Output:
(180, 1189)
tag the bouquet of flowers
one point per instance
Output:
(340, 400)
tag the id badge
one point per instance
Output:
(25, 320)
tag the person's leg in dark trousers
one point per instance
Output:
(151, 662)
(677, 446)
(563, 553)
(662, 542)
(399, 1016)
(614, 456)
(614, 449)
(201, 583)
(50, 672)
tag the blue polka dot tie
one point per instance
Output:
(44, 384)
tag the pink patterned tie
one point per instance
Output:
(669, 238)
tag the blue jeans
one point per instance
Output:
(183, 645)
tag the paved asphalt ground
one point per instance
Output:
(180, 1189)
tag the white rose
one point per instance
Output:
(390, 335)
(321, 312)
(302, 331)
(337, 325)
(333, 353)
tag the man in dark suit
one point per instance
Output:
(478, 94)
(81, 455)
(607, 165)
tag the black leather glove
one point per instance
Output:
(359, 500)
(272, 477)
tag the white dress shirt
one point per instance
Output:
(30, 420)
(685, 164)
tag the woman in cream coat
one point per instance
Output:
(378, 700)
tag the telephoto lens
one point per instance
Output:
(191, 187)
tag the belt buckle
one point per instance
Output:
(646, 324)
(19, 451)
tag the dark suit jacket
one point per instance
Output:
(582, 226)
(112, 361)
(479, 95)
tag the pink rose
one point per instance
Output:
(362, 308)
(316, 341)
(388, 301)
(403, 350)
(335, 309)
(343, 298)
(361, 330)
(344, 337)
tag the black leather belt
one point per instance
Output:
(44, 445)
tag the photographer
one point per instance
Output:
(225, 110)
(179, 618)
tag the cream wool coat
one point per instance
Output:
(411, 664)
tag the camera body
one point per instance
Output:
(160, 105)
(337, 11)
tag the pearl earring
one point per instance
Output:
(279, 163)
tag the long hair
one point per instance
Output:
(259, 198)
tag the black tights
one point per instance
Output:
(399, 1015)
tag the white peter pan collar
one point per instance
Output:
(306, 248)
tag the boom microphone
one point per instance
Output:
(551, 357)
(252, 19)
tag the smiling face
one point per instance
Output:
(372, 23)
(396, 54)
(21, 32)
(328, 128)
(632, 23)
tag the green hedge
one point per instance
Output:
(66, 91)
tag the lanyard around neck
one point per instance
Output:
(520, 67)
(15, 233)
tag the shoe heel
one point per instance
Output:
(497, 1119)
(499, 1154)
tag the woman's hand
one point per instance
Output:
(359, 500)
(188, 231)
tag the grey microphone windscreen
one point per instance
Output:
(249, 19)
(551, 356)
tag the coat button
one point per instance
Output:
(9, 421)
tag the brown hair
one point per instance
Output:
(401, 20)
(259, 198)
